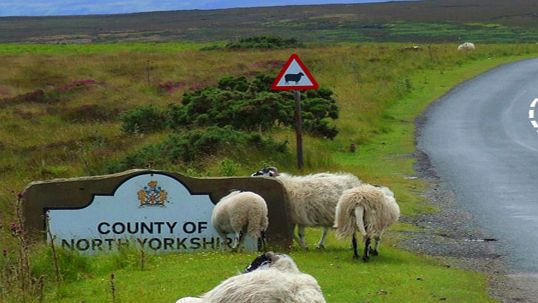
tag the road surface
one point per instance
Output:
(482, 141)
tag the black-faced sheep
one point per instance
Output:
(271, 278)
(293, 77)
(240, 213)
(369, 210)
(313, 198)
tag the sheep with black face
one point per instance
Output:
(270, 278)
(313, 198)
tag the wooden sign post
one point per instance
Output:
(296, 77)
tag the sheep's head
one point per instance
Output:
(266, 172)
(386, 191)
(265, 259)
(281, 262)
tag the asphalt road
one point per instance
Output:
(483, 144)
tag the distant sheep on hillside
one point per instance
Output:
(369, 210)
(240, 213)
(467, 46)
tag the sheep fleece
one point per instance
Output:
(313, 198)
(380, 210)
(280, 283)
(241, 209)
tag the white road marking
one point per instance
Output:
(531, 114)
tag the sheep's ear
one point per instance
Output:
(271, 256)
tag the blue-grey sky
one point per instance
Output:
(87, 7)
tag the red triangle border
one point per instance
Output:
(314, 85)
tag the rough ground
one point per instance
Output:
(453, 235)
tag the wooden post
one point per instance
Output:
(298, 129)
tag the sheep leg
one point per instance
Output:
(300, 240)
(223, 241)
(262, 243)
(375, 251)
(355, 250)
(236, 240)
(366, 255)
(240, 240)
(323, 237)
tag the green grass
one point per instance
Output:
(380, 90)
(475, 32)
(395, 276)
(98, 48)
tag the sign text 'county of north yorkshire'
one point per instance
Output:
(149, 211)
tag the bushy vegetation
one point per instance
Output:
(249, 105)
(144, 119)
(222, 119)
(268, 42)
(243, 104)
(195, 145)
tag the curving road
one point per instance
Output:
(482, 140)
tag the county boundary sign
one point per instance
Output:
(144, 209)
(294, 76)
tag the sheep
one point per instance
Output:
(270, 278)
(369, 210)
(312, 198)
(293, 77)
(192, 300)
(241, 212)
(467, 46)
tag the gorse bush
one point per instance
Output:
(144, 119)
(250, 105)
(194, 145)
(244, 104)
(272, 42)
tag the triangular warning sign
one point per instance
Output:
(294, 76)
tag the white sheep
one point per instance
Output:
(192, 300)
(466, 46)
(369, 210)
(240, 213)
(271, 278)
(313, 198)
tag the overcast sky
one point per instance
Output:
(87, 7)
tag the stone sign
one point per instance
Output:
(151, 210)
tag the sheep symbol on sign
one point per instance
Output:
(293, 77)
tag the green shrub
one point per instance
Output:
(194, 145)
(228, 167)
(271, 42)
(251, 105)
(144, 119)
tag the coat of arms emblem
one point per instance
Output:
(152, 195)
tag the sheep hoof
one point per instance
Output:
(374, 252)
(365, 258)
(320, 246)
